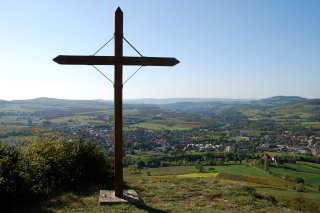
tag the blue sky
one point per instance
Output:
(227, 48)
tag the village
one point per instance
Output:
(163, 140)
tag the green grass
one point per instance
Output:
(313, 179)
(10, 128)
(315, 165)
(184, 189)
(285, 193)
(172, 170)
(162, 195)
(170, 124)
(251, 132)
(303, 168)
(239, 139)
(311, 124)
(162, 126)
(78, 119)
(177, 170)
(198, 175)
(240, 170)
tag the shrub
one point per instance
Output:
(298, 180)
(200, 168)
(211, 169)
(11, 184)
(300, 188)
(134, 170)
(140, 164)
(50, 165)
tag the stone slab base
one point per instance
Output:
(108, 197)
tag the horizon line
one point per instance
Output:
(128, 99)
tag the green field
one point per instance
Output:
(251, 132)
(78, 119)
(303, 172)
(172, 170)
(10, 128)
(176, 170)
(301, 167)
(239, 139)
(240, 170)
(154, 126)
(311, 124)
(315, 165)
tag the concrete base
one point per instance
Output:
(108, 197)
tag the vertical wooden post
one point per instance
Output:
(118, 167)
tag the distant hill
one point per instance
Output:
(182, 100)
(3, 102)
(174, 103)
(280, 100)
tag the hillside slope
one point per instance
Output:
(164, 194)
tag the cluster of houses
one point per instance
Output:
(298, 144)
(203, 147)
(186, 141)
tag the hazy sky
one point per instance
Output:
(227, 48)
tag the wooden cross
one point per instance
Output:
(118, 60)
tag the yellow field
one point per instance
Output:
(198, 175)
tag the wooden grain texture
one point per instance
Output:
(118, 143)
(115, 60)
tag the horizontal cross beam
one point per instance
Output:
(114, 60)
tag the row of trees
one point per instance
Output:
(207, 158)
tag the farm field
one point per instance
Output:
(240, 170)
(315, 165)
(78, 119)
(285, 193)
(172, 170)
(301, 167)
(176, 170)
(11, 128)
(311, 124)
(156, 126)
(309, 178)
(239, 139)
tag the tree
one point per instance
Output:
(298, 180)
(140, 164)
(200, 168)
(266, 162)
(300, 188)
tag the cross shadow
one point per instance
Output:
(147, 208)
(140, 204)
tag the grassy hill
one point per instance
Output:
(232, 188)
(167, 194)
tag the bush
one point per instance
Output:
(300, 188)
(11, 184)
(200, 168)
(140, 164)
(50, 165)
(211, 169)
(134, 171)
(298, 180)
